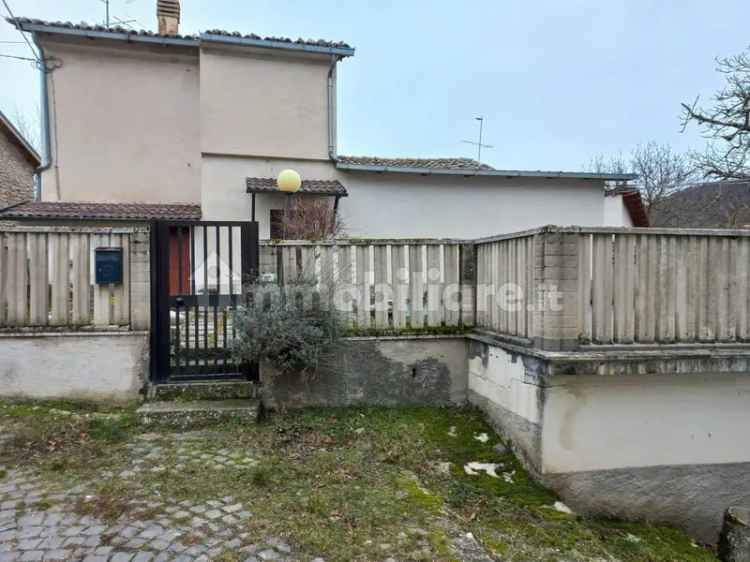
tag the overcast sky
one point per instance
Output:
(557, 82)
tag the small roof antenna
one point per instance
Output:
(479, 144)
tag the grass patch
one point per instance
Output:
(347, 484)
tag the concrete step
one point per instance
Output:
(177, 414)
(203, 390)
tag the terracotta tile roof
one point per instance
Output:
(427, 163)
(322, 187)
(20, 23)
(299, 41)
(101, 211)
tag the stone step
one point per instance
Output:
(203, 390)
(177, 414)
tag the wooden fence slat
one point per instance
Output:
(681, 257)
(416, 286)
(521, 287)
(742, 278)
(101, 292)
(81, 281)
(496, 314)
(602, 283)
(722, 317)
(702, 327)
(363, 285)
(452, 289)
(434, 286)
(121, 292)
(381, 288)
(57, 287)
(16, 279)
(38, 280)
(399, 284)
(585, 310)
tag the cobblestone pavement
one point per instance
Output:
(37, 521)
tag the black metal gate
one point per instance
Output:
(198, 270)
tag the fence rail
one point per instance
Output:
(47, 278)
(383, 284)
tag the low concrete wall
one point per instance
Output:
(108, 366)
(427, 370)
(657, 436)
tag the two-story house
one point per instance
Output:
(209, 120)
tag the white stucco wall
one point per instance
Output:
(405, 205)
(598, 423)
(76, 365)
(256, 104)
(615, 212)
(125, 124)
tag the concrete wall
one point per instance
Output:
(75, 365)
(427, 370)
(499, 384)
(16, 173)
(657, 440)
(125, 124)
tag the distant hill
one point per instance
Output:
(706, 205)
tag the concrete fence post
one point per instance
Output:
(140, 279)
(557, 295)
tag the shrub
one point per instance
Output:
(290, 327)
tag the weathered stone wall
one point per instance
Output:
(16, 174)
(107, 366)
(421, 370)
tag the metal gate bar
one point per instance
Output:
(180, 350)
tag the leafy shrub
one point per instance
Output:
(290, 327)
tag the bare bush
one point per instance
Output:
(311, 219)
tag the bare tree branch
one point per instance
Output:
(726, 124)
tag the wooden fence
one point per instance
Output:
(616, 286)
(47, 278)
(506, 285)
(383, 284)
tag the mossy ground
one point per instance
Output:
(347, 484)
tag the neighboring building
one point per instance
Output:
(18, 164)
(211, 119)
(707, 205)
(623, 206)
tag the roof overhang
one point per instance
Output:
(196, 41)
(74, 211)
(331, 188)
(484, 173)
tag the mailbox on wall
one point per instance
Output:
(108, 266)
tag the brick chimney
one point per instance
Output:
(168, 14)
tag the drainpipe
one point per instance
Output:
(47, 157)
(331, 115)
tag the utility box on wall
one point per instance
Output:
(108, 262)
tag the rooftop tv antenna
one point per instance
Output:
(108, 17)
(479, 144)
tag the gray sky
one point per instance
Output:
(557, 82)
